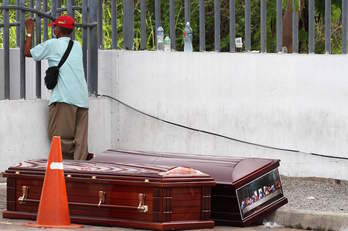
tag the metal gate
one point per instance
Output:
(92, 27)
(41, 13)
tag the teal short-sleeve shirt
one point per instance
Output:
(71, 87)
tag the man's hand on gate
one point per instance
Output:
(29, 24)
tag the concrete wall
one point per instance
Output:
(23, 123)
(23, 129)
(286, 101)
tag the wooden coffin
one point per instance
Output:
(115, 194)
(247, 189)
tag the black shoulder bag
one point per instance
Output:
(52, 73)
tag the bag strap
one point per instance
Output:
(66, 54)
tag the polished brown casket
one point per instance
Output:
(118, 194)
(247, 189)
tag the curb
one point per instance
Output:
(308, 219)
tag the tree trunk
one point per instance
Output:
(287, 24)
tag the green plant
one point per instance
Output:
(336, 24)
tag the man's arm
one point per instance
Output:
(29, 24)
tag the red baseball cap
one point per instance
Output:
(64, 21)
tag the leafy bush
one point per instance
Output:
(336, 24)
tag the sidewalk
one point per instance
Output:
(320, 204)
(314, 203)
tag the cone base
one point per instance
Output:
(71, 226)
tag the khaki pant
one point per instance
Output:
(71, 124)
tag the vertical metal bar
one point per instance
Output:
(263, 26)
(54, 8)
(100, 25)
(73, 15)
(21, 50)
(6, 44)
(157, 14)
(69, 6)
(85, 35)
(45, 22)
(217, 24)
(54, 13)
(126, 24)
(172, 24)
(38, 41)
(201, 25)
(344, 26)
(294, 27)
(31, 5)
(279, 26)
(114, 23)
(143, 24)
(187, 11)
(232, 26)
(32, 16)
(247, 26)
(131, 24)
(93, 48)
(311, 43)
(18, 18)
(327, 26)
(59, 6)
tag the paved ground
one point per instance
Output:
(316, 194)
(18, 226)
(313, 204)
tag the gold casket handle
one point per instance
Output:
(25, 190)
(101, 195)
(142, 208)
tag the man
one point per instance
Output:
(68, 105)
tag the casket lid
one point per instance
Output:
(224, 169)
(113, 170)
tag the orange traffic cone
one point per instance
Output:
(53, 209)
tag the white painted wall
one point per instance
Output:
(23, 129)
(287, 101)
(23, 123)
